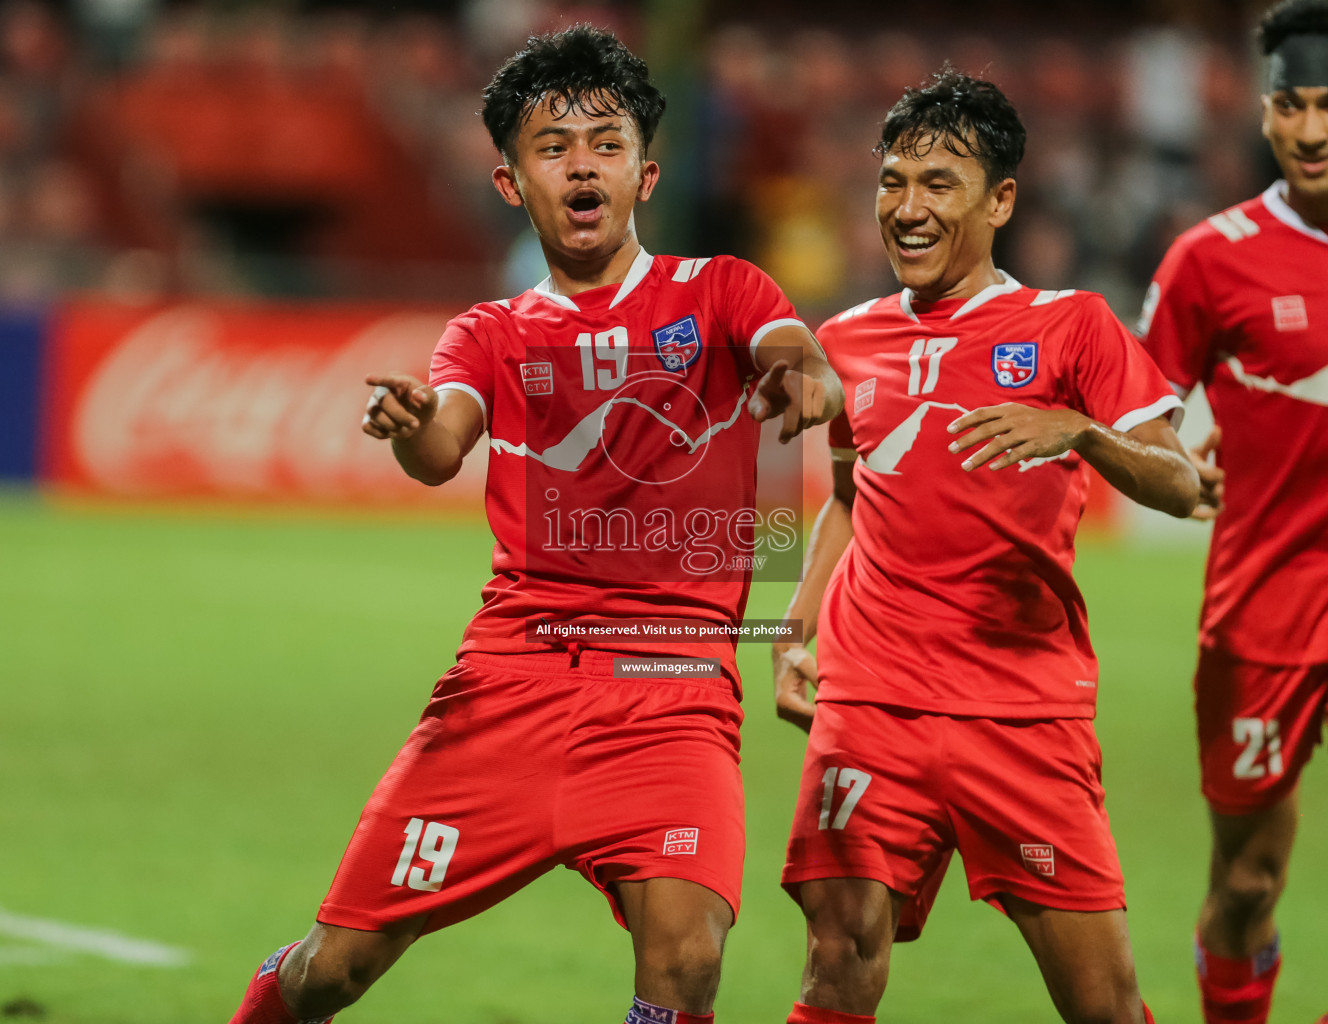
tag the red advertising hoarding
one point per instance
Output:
(228, 401)
(263, 403)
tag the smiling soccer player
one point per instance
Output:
(956, 680)
(1240, 303)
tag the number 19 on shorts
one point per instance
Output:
(435, 843)
(856, 782)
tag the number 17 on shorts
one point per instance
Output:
(856, 782)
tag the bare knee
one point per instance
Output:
(845, 962)
(317, 983)
(1248, 889)
(333, 967)
(850, 928)
(678, 930)
(681, 967)
(1249, 863)
(311, 987)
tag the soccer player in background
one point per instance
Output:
(957, 684)
(617, 392)
(1240, 303)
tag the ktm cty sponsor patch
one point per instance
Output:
(1290, 314)
(538, 378)
(1039, 858)
(681, 840)
(864, 395)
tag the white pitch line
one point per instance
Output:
(97, 941)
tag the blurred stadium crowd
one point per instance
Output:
(152, 150)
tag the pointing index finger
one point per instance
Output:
(399, 384)
(774, 378)
(788, 429)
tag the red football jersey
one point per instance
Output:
(956, 594)
(622, 466)
(1241, 303)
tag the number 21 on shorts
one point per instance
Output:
(435, 843)
(1259, 737)
(856, 782)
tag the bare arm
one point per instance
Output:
(794, 665)
(431, 431)
(1147, 464)
(797, 382)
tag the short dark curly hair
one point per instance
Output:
(1290, 18)
(968, 116)
(579, 68)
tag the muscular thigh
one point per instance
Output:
(1085, 959)
(1258, 725)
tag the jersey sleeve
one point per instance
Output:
(839, 434)
(840, 438)
(463, 361)
(1175, 324)
(1113, 379)
(748, 304)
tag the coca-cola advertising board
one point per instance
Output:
(230, 401)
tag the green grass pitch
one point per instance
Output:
(195, 706)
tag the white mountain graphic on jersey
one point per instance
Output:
(886, 456)
(581, 440)
(1313, 388)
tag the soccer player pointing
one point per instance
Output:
(622, 420)
(1240, 303)
(957, 684)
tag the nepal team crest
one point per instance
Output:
(678, 344)
(1014, 364)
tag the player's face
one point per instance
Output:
(1295, 123)
(938, 217)
(579, 176)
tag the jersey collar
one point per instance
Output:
(1005, 286)
(636, 273)
(1274, 198)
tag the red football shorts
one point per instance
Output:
(1258, 726)
(889, 793)
(522, 762)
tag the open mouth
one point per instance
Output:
(915, 245)
(584, 205)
